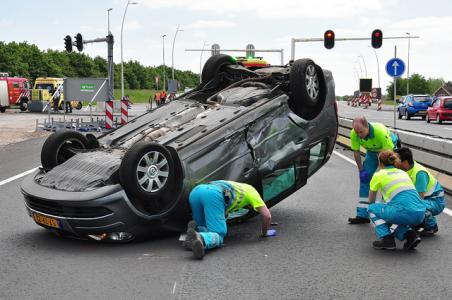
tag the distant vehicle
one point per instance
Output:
(252, 63)
(45, 87)
(440, 110)
(272, 128)
(414, 106)
(14, 91)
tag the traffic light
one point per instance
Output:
(328, 39)
(79, 42)
(377, 38)
(68, 43)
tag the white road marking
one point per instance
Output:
(174, 287)
(446, 210)
(17, 176)
(447, 128)
(345, 157)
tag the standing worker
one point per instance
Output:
(428, 188)
(374, 137)
(157, 98)
(402, 207)
(210, 204)
(163, 97)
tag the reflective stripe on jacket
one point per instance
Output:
(431, 186)
(392, 181)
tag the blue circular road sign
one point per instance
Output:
(395, 67)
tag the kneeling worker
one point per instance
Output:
(210, 203)
(402, 207)
(428, 188)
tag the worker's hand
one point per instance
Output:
(364, 176)
(270, 233)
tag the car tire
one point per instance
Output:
(400, 115)
(23, 106)
(423, 117)
(438, 120)
(147, 171)
(79, 106)
(427, 119)
(2, 109)
(407, 115)
(213, 66)
(61, 146)
(307, 87)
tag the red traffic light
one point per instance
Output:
(328, 39)
(377, 38)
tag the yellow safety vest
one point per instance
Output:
(392, 181)
(431, 180)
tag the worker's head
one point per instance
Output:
(405, 156)
(361, 126)
(388, 158)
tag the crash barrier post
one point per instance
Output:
(432, 151)
(108, 114)
(124, 111)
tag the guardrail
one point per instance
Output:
(431, 151)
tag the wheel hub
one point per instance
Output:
(153, 171)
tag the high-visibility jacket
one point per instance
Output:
(391, 181)
(379, 139)
(157, 96)
(432, 182)
(163, 94)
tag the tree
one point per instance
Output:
(418, 85)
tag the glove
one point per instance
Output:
(270, 233)
(364, 176)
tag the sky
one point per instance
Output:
(235, 23)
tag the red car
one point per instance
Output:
(440, 110)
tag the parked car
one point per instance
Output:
(272, 128)
(414, 106)
(440, 110)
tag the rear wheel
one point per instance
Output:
(308, 90)
(61, 146)
(427, 119)
(2, 109)
(79, 105)
(23, 104)
(400, 115)
(407, 115)
(213, 66)
(438, 120)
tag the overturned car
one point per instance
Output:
(272, 127)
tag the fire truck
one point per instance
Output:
(14, 91)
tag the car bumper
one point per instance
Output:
(417, 112)
(91, 214)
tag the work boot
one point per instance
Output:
(191, 224)
(428, 232)
(196, 243)
(412, 240)
(358, 220)
(386, 243)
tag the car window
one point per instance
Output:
(448, 103)
(422, 99)
(316, 157)
(278, 182)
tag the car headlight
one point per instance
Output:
(114, 236)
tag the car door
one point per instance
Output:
(433, 109)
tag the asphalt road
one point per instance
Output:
(386, 116)
(316, 254)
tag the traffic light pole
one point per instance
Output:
(307, 40)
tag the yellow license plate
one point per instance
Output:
(51, 222)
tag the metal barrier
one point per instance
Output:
(431, 151)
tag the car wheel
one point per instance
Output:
(407, 115)
(213, 65)
(307, 88)
(400, 115)
(146, 171)
(427, 119)
(79, 106)
(423, 117)
(438, 120)
(2, 109)
(61, 146)
(23, 104)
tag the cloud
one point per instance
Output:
(208, 24)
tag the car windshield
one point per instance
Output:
(448, 103)
(44, 86)
(422, 99)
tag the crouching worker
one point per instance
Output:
(402, 207)
(210, 203)
(428, 188)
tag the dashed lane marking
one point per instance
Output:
(17, 176)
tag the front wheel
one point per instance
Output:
(2, 109)
(23, 104)
(407, 115)
(400, 114)
(427, 119)
(438, 120)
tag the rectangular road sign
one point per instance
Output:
(84, 89)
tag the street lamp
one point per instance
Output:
(164, 67)
(360, 69)
(408, 66)
(364, 62)
(122, 60)
(200, 61)
(378, 65)
(108, 19)
(172, 52)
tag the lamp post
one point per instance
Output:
(364, 63)
(360, 69)
(200, 62)
(378, 65)
(122, 60)
(172, 52)
(408, 66)
(164, 67)
(108, 19)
